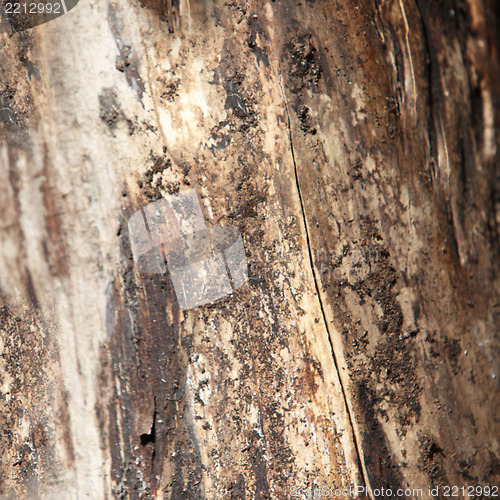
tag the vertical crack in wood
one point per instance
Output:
(431, 75)
(359, 453)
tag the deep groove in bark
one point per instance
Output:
(430, 70)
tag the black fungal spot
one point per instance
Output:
(109, 108)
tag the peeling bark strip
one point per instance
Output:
(354, 146)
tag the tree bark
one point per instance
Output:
(355, 147)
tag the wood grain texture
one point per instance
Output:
(355, 146)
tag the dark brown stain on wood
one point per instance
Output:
(54, 245)
(144, 365)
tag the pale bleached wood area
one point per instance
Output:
(354, 145)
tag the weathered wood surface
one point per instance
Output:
(355, 146)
